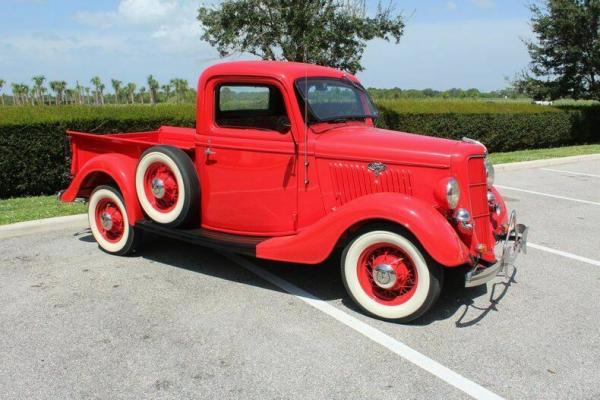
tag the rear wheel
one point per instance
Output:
(167, 186)
(109, 222)
(389, 277)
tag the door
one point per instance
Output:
(247, 167)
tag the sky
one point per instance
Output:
(446, 44)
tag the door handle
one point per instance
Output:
(209, 151)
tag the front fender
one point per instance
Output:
(119, 168)
(313, 244)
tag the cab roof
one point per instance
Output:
(285, 70)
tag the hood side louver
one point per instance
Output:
(351, 181)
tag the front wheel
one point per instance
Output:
(389, 277)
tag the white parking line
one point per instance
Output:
(570, 172)
(548, 195)
(563, 253)
(458, 381)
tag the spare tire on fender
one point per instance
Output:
(167, 186)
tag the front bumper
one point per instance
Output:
(513, 243)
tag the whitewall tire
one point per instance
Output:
(389, 277)
(167, 186)
(109, 223)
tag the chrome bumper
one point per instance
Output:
(513, 243)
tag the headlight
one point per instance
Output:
(489, 172)
(452, 193)
(463, 221)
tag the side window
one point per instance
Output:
(248, 106)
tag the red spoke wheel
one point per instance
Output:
(389, 276)
(167, 186)
(109, 222)
(160, 187)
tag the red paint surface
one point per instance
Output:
(253, 181)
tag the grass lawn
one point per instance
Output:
(527, 155)
(28, 208)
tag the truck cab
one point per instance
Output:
(286, 163)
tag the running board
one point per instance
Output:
(207, 238)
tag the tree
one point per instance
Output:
(180, 86)
(325, 32)
(38, 84)
(565, 57)
(116, 84)
(167, 89)
(79, 92)
(20, 93)
(98, 93)
(2, 82)
(153, 86)
(142, 93)
(58, 87)
(69, 95)
(131, 91)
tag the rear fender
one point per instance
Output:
(315, 243)
(120, 168)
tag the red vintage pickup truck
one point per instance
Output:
(285, 163)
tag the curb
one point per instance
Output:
(544, 162)
(43, 225)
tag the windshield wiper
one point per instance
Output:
(346, 118)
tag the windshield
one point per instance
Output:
(335, 100)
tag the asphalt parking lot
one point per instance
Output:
(177, 321)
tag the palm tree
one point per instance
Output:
(38, 83)
(98, 96)
(181, 87)
(142, 93)
(131, 91)
(69, 95)
(79, 92)
(174, 83)
(20, 93)
(87, 94)
(167, 89)
(116, 84)
(15, 91)
(101, 87)
(2, 82)
(58, 87)
(153, 85)
(54, 86)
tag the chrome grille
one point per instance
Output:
(479, 206)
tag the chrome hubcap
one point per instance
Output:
(384, 276)
(158, 188)
(106, 221)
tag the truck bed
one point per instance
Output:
(85, 146)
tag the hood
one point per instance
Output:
(367, 143)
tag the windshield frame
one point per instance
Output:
(313, 117)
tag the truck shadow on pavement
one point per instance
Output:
(322, 280)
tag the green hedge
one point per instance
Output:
(503, 131)
(32, 158)
(32, 152)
